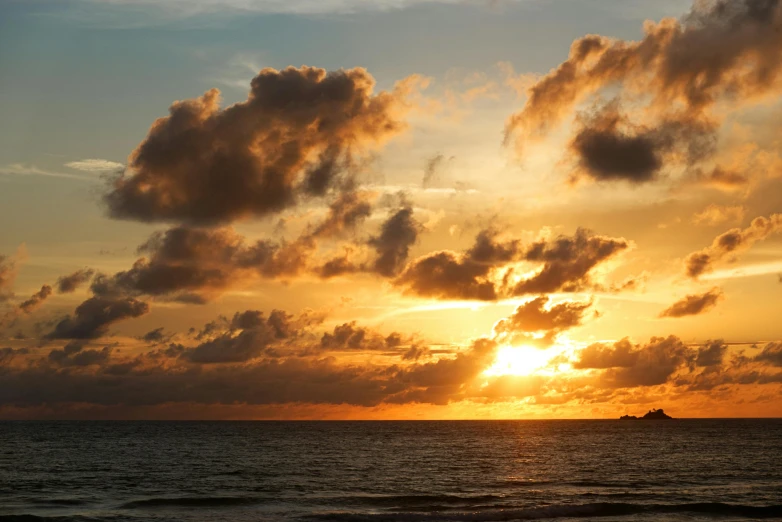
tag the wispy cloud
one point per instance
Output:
(197, 7)
(19, 169)
(95, 165)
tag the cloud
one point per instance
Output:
(73, 354)
(345, 213)
(721, 178)
(610, 148)
(157, 335)
(95, 165)
(256, 335)
(712, 354)
(535, 317)
(292, 138)
(433, 170)
(187, 8)
(36, 300)
(565, 265)
(731, 243)
(627, 365)
(450, 275)
(724, 50)
(568, 262)
(194, 264)
(7, 277)
(695, 304)
(94, 316)
(397, 234)
(716, 215)
(19, 169)
(70, 283)
(771, 353)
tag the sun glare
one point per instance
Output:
(518, 360)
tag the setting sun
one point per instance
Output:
(518, 360)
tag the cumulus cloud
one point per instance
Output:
(711, 354)
(74, 354)
(27, 306)
(451, 275)
(627, 365)
(609, 147)
(345, 213)
(771, 353)
(536, 317)
(695, 304)
(71, 282)
(723, 50)
(195, 264)
(292, 138)
(565, 265)
(568, 262)
(397, 234)
(93, 317)
(732, 243)
(350, 337)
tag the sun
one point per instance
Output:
(518, 360)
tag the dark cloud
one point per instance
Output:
(69, 283)
(36, 300)
(345, 213)
(609, 148)
(292, 137)
(627, 365)
(536, 316)
(450, 275)
(94, 316)
(251, 335)
(722, 51)
(348, 336)
(74, 354)
(694, 304)
(8, 354)
(711, 354)
(155, 336)
(193, 265)
(27, 306)
(731, 243)
(568, 262)
(771, 353)
(397, 234)
(566, 266)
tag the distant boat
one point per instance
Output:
(651, 415)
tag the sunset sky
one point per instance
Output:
(397, 209)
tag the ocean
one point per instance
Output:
(391, 471)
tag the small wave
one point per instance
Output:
(150, 503)
(561, 511)
(408, 501)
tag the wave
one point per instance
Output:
(562, 511)
(416, 500)
(149, 503)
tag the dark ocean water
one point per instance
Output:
(406, 471)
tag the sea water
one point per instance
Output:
(391, 471)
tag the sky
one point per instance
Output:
(401, 209)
